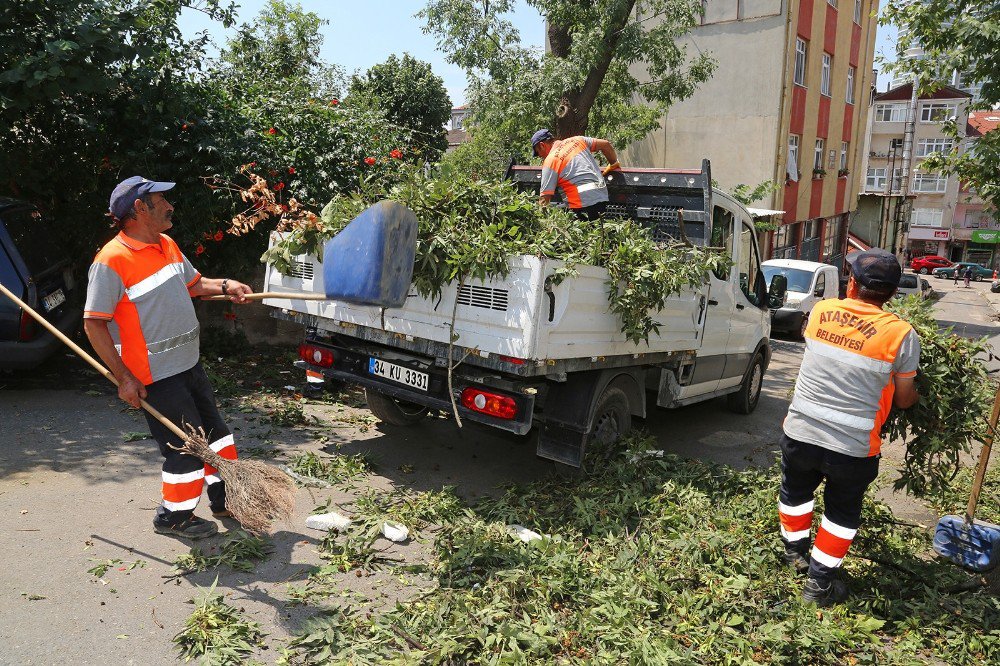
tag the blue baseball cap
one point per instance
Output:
(539, 136)
(126, 192)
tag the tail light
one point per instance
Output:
(28, 328)
(511, 359)
(485, 402)
(316, 355)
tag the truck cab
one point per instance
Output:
(809, 282)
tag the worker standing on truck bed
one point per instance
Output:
(571, 166)
(860, 361)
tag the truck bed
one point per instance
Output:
(518, 317)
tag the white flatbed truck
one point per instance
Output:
(552, 356)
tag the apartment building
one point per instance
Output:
(788, 103)
(902, 207)
(976, 230)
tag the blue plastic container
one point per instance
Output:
(370, 262)
(975, 546)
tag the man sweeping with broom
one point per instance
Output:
(140, 319)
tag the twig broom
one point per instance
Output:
(257, 494)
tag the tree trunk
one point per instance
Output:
(573, 111)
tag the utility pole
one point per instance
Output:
(904, 180)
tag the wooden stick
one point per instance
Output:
(272, 294)
(984, 459)
(91, 360)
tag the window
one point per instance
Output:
(857, 11)
(820, 281)
(843, 155)
(792, 168)
(897, 179)
(824, 86)
(850, 85)
(930, 182)
(890, 113)
(722, 234)
(927, 146)
(785, 242)
(926, 217)
(818, 157)
(895, 145)
(936, 112)
(749, 263)
(832, 3)
(875, 182)
(799, 76)
(831, 240)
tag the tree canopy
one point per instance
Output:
(612, 69)
(410, 95)
(963, 36)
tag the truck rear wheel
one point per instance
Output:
(392, 411)
(610, 421)
(745, 400)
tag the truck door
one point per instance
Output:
(710, 362)
(750, 308)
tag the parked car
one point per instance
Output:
(38, 272)
(928, 263)
(911, 284)
(808, 283)
(979, 272)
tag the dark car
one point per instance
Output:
(928, 263)
(978, 271)
(38, 272)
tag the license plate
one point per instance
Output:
(398, 373)
(54, 300)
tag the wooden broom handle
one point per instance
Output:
(92, 361)
(271, 294)
(984, 459)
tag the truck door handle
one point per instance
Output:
(712, 301)
(740, 306)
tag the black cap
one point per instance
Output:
(875, 269)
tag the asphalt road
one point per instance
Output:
(74, 493)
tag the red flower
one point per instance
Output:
(279, 187)
(184, 126)
(284, 208)
(253, 164)
(272, 131)
(396, 154)
(369, 161)
(334, 102)
(291, 171)
(217, 236)
(199, 250)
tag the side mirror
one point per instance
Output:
(776, 293)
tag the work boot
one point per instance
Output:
(222, 513)
(192, 528)
(824, 593)
(796, 560)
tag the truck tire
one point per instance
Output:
(745, 400)
(392, 411)
(610, 421)
(801, 333)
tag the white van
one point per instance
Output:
(808, 283)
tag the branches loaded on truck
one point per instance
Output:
(540, 346)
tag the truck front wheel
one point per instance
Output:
(745, 400)
(392, 411)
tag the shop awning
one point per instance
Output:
(764, 212)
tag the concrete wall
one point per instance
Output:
(733, 118)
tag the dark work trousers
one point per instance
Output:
(185, 399)
(803, 467)
(591, 212)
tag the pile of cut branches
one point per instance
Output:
(468, 230)
(956, 396)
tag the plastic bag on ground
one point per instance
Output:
(395, 531)
(328, 521)
(523, 533)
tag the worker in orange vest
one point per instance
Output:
(570, 165)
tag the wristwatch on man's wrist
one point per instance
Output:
(225, 283)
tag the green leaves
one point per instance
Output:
(956, 396)
(469, 229)
(217, 633)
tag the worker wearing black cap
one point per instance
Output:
(860, 361)
(570, 165)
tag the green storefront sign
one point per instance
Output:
(986, 236)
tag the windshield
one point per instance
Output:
(798, 279)
(908, 281)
